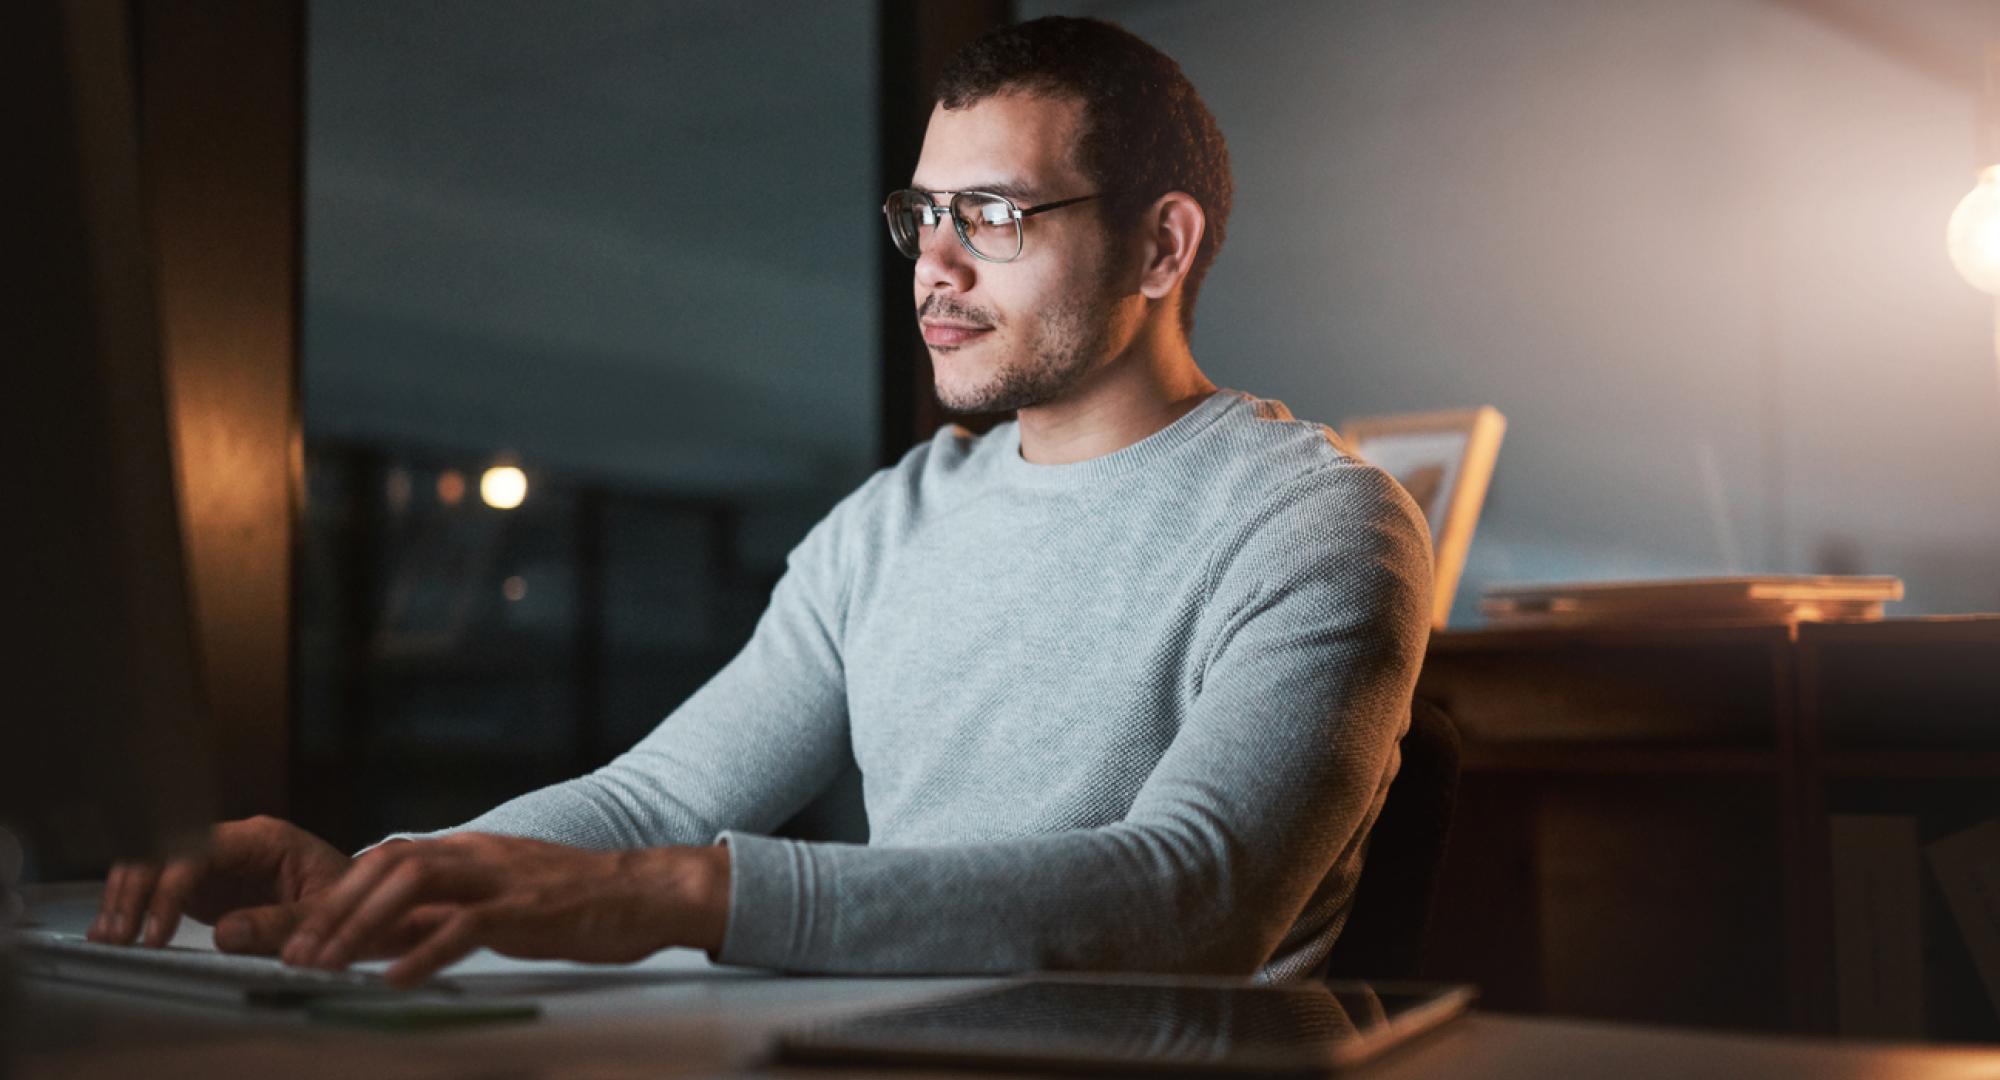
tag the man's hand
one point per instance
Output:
(247, 884)
(434, 901)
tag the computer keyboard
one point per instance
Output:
(193, 973)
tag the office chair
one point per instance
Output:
(1386, 928)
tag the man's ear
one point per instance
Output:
(1174, 225)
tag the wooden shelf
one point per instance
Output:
(1558, 757)
(1611, 636)
(1613, 765)
(1938, 629)
(1911, 764)
(1935, 629)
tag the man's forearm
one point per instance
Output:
(690, 885)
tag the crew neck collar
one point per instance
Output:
(1145, 452)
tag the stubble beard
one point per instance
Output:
(1069, 339)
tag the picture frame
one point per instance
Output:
(1445, 461)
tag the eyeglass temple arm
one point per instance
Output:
(1057, 205)
(934, 210)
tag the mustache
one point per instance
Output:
(939, 307)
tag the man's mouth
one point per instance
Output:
(951, 333)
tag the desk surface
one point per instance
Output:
(677, 1014)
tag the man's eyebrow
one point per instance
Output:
(1013, 189)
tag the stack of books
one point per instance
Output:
(1763, 598)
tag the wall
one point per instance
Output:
(1694, 251)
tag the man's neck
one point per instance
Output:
(1120, 403)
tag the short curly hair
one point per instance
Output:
(1145, 131)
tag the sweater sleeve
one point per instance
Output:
(1321, 621)
(746, 751)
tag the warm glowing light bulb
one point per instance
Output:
(503, 487)
(1973, 237)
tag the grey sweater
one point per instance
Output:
(1134, 713)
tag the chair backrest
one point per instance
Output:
(1387, 925)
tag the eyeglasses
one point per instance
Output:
(987, 223)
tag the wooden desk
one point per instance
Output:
(720, 1030)
(1642, 831)
(678, 1015)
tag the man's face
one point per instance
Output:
(1013, 335)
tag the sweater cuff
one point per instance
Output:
(771, 888)
(393, 837)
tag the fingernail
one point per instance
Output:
(118, 925)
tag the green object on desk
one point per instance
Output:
(395, 1015)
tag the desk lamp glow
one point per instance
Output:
(503, 487)
(1973, 236)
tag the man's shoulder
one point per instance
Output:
(1280, 463)
(1301, 487)
(1264, 432)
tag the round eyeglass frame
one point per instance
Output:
(912, 246)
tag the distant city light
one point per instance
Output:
(451, 487)
(503, 487)
(514, 588)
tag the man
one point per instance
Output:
(1124, 677)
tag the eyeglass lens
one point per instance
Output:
(985, 223)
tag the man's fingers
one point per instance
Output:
(399, 889)
(458, 936)
(257, 930)
(412, 872)
(170, 893)
(134, 887)
(325, 912)
(107, 910)
(100, 928)
(410, 931)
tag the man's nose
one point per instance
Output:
(942, 261)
